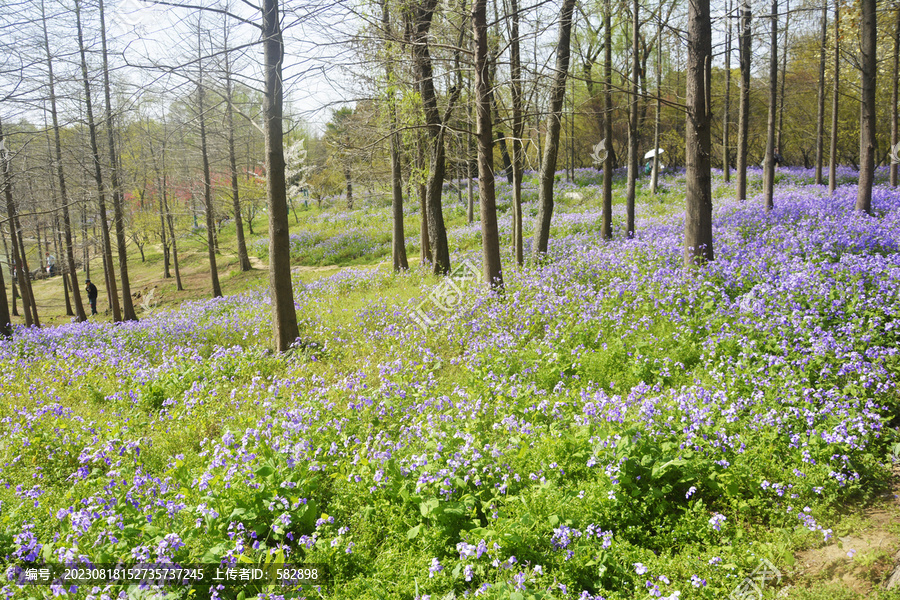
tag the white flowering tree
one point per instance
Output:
(295, 173)
(295, 169)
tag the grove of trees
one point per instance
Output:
(147, 123)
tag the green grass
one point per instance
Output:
(399, 529)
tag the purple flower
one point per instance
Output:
(435, 567)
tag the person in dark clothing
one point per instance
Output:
(91, 290)
(778, 158)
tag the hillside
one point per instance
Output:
(611, 426)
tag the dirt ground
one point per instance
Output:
(866, 558)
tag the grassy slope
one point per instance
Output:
(382, 568)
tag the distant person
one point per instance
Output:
(778, 158)
(91, 290)
(51, 265)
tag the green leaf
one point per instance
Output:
(413, 532)
(429, 506)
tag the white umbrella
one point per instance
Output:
(652, 153)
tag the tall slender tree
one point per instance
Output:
(243, 256)
(867, 129)
(207, 177)
(744, 106)
(518, 129)
(490, 237)
(633, 100)
(284, 313)
(111, 286)
(832, 153)
(116, 193)
(783, 75)
(19, 260)
(726, 157)
(71, 273)
(554, 124)
(10, 264)
(894, 99)
(160, 166)
(398, 237)
(820, 105)
(5, 318)
(470, 172)
(420, 25)
(421, 187)
(769, 166)
(698, 239)
(657, 117)
(608, 157)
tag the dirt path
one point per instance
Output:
(862, 556)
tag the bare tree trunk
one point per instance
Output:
(171, 221)
(29, 304)
(572, 131)
(127, 305)
(57, 243)
(98, 174)
(437, 232)
(606, 228)
(40, 253)
(501, 137)
(398, 237)
(726, 163)
(820, 107)
(832, 153)
(19, 258)
(867, 129)
(63, 195)
(769, 167)
(894, 99)
(284, 314)
(470, 173)
(243, 257)
(163, 236)
(207, 182)
(5, 318)
(459, 176)
(554, 122)
(490, 237)
(12, 268)
(518, 127)
(744, 108)
(698, 240)
(107, 275)
(164, 215)
(633, 164)
(85, 255)
(348, 177)
(423, 203)
(787, 22)
(654, 183)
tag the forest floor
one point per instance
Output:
(612, 427)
